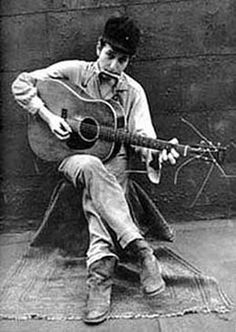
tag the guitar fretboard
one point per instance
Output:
(126, 138)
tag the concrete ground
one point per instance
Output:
(208, 245)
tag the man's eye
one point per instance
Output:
(123, 59)
(110, 55)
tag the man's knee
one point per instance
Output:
(87, 162)
(80, 165)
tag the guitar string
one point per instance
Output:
(139, 140)
(118, 135)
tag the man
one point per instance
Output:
(104, 185)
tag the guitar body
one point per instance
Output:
(81, 112)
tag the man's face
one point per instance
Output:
(111, 61)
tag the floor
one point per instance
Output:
(208, 245)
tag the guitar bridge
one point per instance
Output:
(64, 113)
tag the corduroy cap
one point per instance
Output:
(122, 33)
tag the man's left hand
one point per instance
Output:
(171, 155)
(155, 159)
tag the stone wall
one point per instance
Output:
(186, 63)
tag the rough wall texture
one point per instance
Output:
(186, 62)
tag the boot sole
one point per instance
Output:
(156, 291)
(98, 320)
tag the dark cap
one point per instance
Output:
(122, 34)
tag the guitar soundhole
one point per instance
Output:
(88, 130)
(85, 136)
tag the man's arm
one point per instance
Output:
(24, 89)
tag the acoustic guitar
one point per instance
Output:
(98, 127)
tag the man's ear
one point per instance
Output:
(98, 47)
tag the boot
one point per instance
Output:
(99, 284)
(150, 272)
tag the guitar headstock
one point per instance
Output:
(211, 152)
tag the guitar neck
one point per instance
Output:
(130, 139)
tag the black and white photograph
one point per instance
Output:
(118, 166)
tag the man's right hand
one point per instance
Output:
(58, 126)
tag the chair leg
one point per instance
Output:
(53, 200)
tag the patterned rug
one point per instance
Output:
(45, 285)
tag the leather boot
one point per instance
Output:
(99, 284)
(150, 272)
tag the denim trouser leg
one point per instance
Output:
(104, 205)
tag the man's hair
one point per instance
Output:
(122, 34)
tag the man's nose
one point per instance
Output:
(114, 65)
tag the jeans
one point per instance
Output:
(104, 202)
